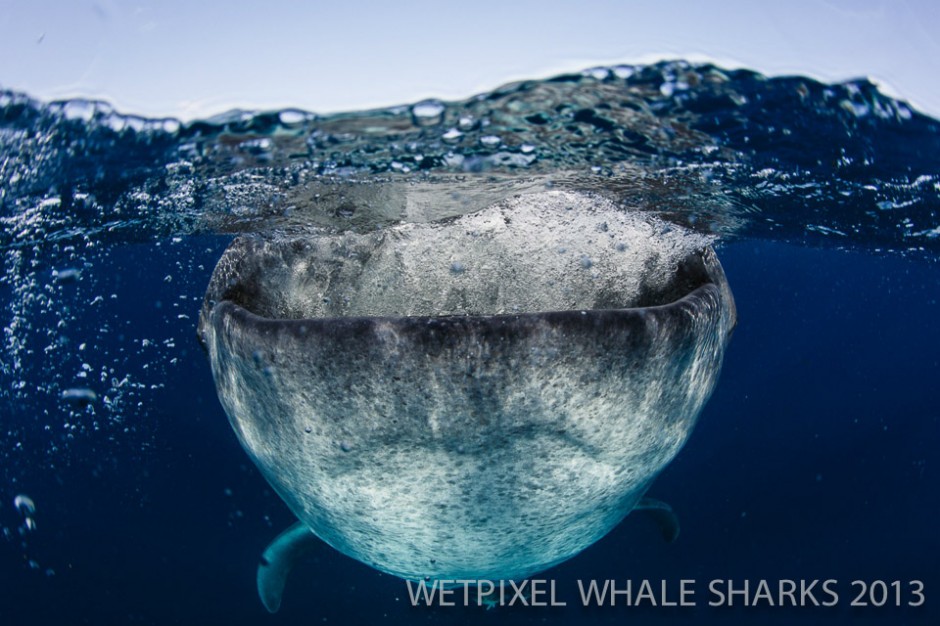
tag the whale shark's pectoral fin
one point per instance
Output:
(278, 560)
(661, 513)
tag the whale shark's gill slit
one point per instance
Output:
(483, 422)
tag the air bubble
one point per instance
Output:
(598, 73)
(452, 136)
(624, 71)
(83, 110)
(289, 117)
(24, 504)
(427, 113)
(168, 125)
(81, 396)
(68, 275)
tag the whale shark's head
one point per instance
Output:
(480, 397)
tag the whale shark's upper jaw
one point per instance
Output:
(479, 398)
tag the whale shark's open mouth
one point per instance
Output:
(475, 398)
(545, 252)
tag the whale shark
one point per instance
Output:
(478, 397)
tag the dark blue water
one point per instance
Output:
(816, 458)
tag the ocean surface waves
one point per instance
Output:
(732, 153)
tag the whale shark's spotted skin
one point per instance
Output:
(479, 398)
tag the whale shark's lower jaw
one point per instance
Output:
(482, 446)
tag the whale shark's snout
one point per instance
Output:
(477, 398)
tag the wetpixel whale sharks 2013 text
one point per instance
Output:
(823, 593)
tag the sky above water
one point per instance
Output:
(195, 59)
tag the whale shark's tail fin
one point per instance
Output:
(661, 513)
(278, 560)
